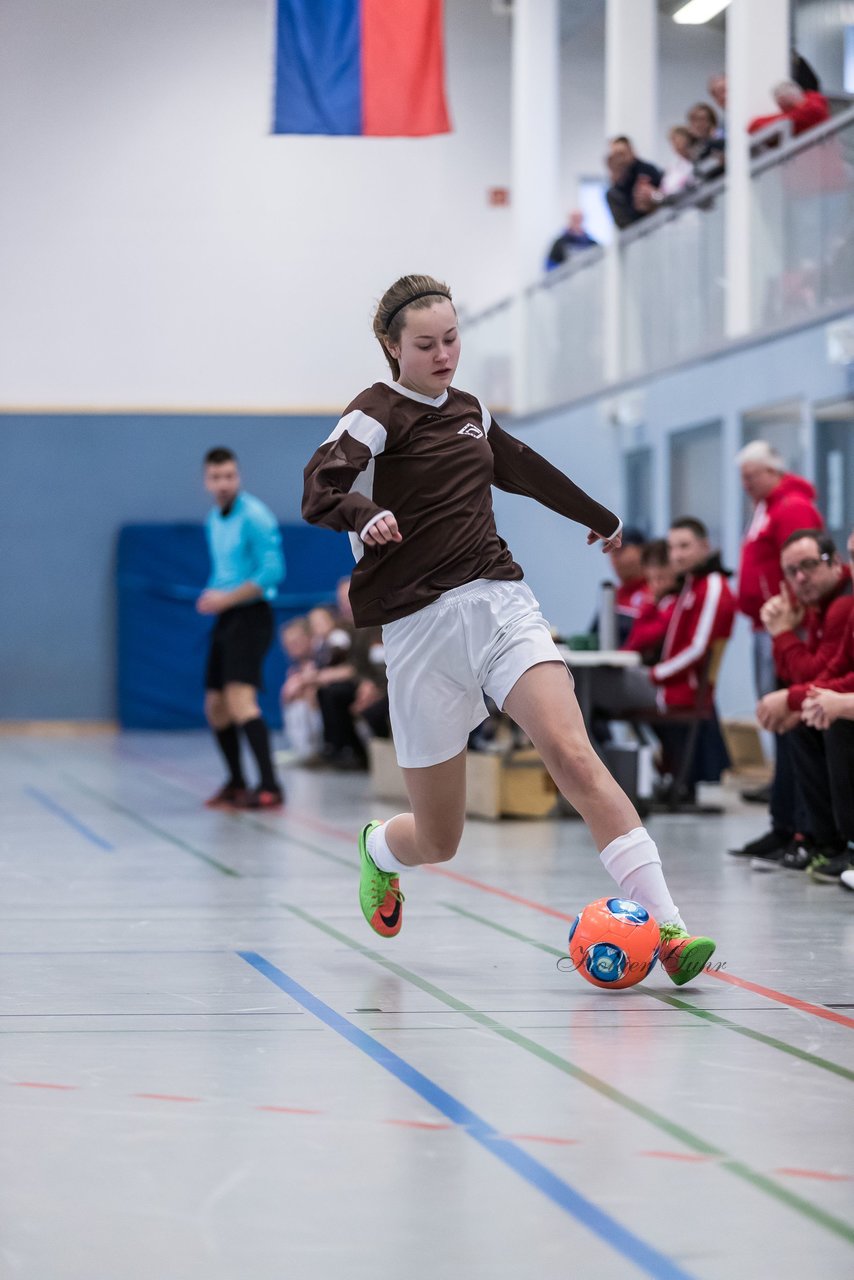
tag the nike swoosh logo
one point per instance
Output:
(391, 920)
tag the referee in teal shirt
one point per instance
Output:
(246, 553)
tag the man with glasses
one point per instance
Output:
(816, 599)
(823, 754)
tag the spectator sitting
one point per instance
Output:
(302, 720)
(650, 627)
(703, 613)
(370, 690)
(823, 752)
(335, 686)
(632, 593)
(817, 599)
(329, 643)
(570, 241)
(805, 108)
(709, 148)
(625, 169)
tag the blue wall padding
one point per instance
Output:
(68, 483)
(163, 642)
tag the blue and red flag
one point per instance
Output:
(370, 67)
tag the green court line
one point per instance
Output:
(247, 819)
(352, 864)
(149, 826)
(707, 1016)
(757, 1180)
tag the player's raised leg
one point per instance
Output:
(429, 834)
(543, 704)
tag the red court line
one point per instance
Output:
(816, 1173)
(816, 1010)
(677, 1155)
(292, 1111)
(165, 1097)
(41, 1084)
(541, 1137)
(769, 993)
(419, 1124)
(499, 893)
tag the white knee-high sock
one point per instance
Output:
(380, 852)
(634, 862)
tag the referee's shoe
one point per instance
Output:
(261, 798)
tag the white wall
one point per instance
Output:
(159, 248)
(687, 56)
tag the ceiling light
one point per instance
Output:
(696, 11)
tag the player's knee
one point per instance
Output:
(216, 712)
(577, 760)
(241, 704)
(439, 849)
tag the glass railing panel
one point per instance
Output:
(564, 332)
(803, 226)
(672, 274)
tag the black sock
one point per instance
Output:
(229, 745)
(259, 743)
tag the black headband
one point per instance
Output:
(428, 293)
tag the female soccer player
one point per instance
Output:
(408, 472)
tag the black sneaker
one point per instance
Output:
(798, 856)
(826, 869)
(772, 842)
(771, 860)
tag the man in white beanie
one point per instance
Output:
(783, 503)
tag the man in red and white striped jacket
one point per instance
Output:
(704, 613)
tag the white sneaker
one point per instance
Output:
(847, 880)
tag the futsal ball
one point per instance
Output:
(614, 943)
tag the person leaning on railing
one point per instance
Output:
(804, 109)
(629, 177)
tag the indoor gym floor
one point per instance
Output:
(212, 1068)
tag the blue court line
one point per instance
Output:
(79, 826)
(537, 1175)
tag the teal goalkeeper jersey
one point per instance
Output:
(245, 546)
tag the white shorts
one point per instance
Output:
(475, 639)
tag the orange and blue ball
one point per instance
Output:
(614, 943)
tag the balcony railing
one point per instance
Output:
(657, 298)
(803, 225)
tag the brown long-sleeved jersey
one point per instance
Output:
(431, 463)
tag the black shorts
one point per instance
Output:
(239, 641)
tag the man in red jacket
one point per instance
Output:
(817, 599)
(823, 752)
(783, 503)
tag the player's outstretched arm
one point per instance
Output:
(519, 469)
